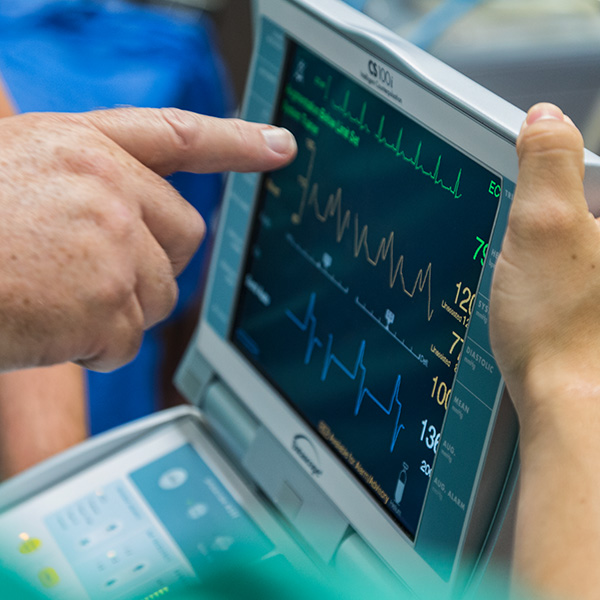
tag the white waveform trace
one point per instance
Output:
(316, 263)
(424, 361)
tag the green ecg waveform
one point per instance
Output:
(343, 109)
(415, 162)
(361, 123)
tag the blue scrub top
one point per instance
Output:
(78, 55)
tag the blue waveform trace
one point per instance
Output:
(358, 373)
(247, 341)
(310, 324)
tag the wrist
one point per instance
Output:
(558, 407)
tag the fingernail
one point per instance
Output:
(543, 112)
(280, 140)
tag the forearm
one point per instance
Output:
(557, 545)
(42, 411)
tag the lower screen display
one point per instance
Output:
(365, 258)
(128, 530)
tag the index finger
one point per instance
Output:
(168, 140)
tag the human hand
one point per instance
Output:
(544, 309)
(545, 334)
(93, 236)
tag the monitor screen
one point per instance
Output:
(364, 262)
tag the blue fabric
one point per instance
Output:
(77, 55)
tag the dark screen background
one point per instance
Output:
(365, 256)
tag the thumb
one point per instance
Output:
(549, 192)
(168, 140)
(549, 227)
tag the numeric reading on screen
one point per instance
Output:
(365, 259)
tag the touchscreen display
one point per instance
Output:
(364, 262)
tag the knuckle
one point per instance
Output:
(547, 226)
(182, 131)
(113, 293)
(116, 221)
(131, 344)
(170, 294)
(120, 338)
(164, 297)
(122, 222)
(156, 289)
(188, 242)
(195, 233)
(128, 337)
(552, 139)
(118, 356)
(557, 223)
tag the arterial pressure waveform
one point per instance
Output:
(364, 263)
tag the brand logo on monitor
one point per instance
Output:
(381, 74)
(307, 453)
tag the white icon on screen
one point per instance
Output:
(173, 478)
(222, 543)
(401, 484)
(197, 511)
(300, 72)
(201, 547)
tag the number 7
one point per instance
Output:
(458, 339)
(481, 245)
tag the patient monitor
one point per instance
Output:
(348, 304)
